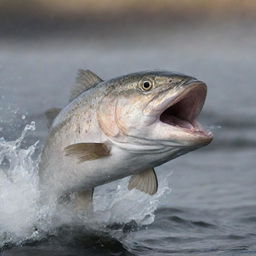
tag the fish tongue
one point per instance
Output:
(182, 123)
(175, 121)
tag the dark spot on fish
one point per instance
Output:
(78, 129)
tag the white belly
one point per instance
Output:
(65, 174)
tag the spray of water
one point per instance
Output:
(213, 128)
(22, 217)
(18, 189)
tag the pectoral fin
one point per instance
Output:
(84, 200)
(145, 181)
(87, 151)
(51, 114)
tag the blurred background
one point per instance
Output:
(88, 18)
(44, 42)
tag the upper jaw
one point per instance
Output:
(180, 112)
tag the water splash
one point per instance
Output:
(23, 218)
(119, 205)
(18, 188)
(213, 128)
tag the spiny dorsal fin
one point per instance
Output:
(83, 200)
(87, 151)
(51, 114)
(145, 181)
(85, 80)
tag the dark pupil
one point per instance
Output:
(146, 84)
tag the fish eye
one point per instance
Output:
(147, 85)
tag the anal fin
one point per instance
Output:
(145, 181)
(83, 200)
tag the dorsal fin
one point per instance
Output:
(85, 80)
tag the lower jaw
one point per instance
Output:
(195, 135)
(193, 127)
(197, 129)
(199, 138)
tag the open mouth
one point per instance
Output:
(184, 110)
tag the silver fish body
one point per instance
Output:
(121, 127)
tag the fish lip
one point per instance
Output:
(195, 92)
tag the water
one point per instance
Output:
(206, 203)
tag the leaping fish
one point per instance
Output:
(121, 127)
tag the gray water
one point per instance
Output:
(211, 209)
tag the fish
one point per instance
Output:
(125, 126)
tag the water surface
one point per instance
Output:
(206, 204)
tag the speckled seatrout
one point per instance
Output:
(122, 127)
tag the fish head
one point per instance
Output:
(155, 108)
